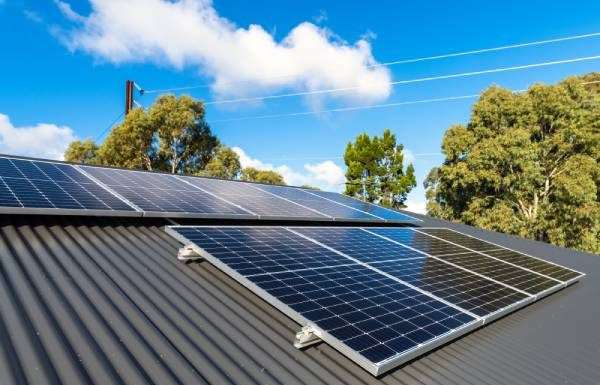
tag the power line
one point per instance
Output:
(344, 109)
(111, 125)
(403, 61)
(366, 107)
(409, 81)
(493, 49)
(424, 154)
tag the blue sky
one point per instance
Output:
(60, 78)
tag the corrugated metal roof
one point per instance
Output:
(105, 301)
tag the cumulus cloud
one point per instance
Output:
(325, 175)
(241, 61)
(42, 140)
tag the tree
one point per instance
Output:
(82, 151)
(131, 144)
(224, 164)
(526, 164)
(171, 136)
(185, 142)
(252, 174)
(375, 170)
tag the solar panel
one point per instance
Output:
(259, 202)
(31, 186)
(474, 293)
(379, 295)
(358, 243)
(378, 211)
(328, 207)
(518, 259)
(164, 195)
(376, 320)
(504, 273)
(260, 250)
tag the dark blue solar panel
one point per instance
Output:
(358, 243)
(162, 193)
(419, 241)
(258, 250)
(462, 288)
(251, 198)
(382, 299)
(478, 295)
(378, 211)
(37, 184)
(492, 268)
(378, 317)
(324, 206)
(539, 266)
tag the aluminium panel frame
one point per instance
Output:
(375, 369)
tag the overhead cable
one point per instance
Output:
(409, 81)
(365, 107)
(403, 61)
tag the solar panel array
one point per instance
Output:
(381, 296)
(37, 186)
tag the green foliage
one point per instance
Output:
(131, 143)
(310, 187)
(185, 142)
(82, 151)
(225, 164)
(252, 174)
(377, 163)
(525, 164)
(171, 136)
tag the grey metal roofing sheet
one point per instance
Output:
(105, 301)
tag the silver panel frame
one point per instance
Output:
(388, 364)
(375, 369)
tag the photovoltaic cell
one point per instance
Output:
(460, 239)
(505, 273)
(315, 202)
(251, 198)
(377, 317)
(162, 193)
(372, 209)
(45, 185)
(471, 292)
(421, 242)
(369, 294)
(259, 250)
(373, 315)
(537, 265)
(358, 243)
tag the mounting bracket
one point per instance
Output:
(187, 253)
(305, 337)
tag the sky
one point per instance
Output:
(64, 64)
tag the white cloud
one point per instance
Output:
(67, 11)
(32, 15)
(190, 33)
(320, 17)
(414, 206)
(325, 175)
(42, 140)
